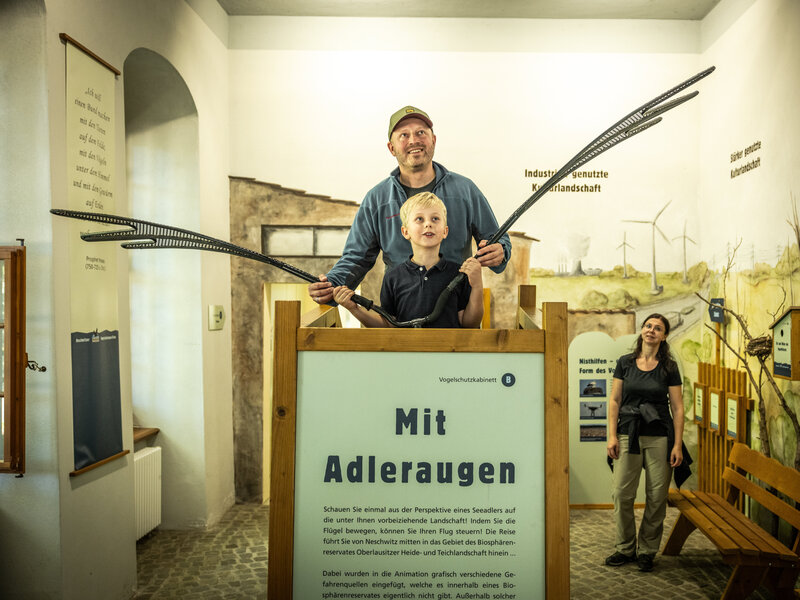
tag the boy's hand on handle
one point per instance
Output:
(342, 296)
(472, 269)
(491, 255)
(321, 292)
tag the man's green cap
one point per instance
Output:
(406, 113)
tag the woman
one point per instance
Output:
(643, 434)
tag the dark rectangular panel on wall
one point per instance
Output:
(96, 408)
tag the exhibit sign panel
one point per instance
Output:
(90, 139)
(592, 359)
(782, 346)
(732, 413)
(785, 344)
(419, 475)
(713, 412)
(90, 163)
(699, 404)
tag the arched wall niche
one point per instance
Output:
(162, 156)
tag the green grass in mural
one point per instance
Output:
(759, 296)
(610, 290)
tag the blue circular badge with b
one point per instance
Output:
(508, 379)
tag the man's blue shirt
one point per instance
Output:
(376, 227)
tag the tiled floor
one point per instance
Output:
(230, 562)
(697, 573)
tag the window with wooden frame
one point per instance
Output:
(13, 359)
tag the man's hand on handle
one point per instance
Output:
(491, 255)
(322, 291)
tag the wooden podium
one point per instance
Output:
(423, 462)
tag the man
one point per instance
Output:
(375, 228)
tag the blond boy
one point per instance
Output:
(410, 290)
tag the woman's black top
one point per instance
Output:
(650, 387)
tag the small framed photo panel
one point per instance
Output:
(715, 404)
(732, 415)
(701, 405)
(593, 433)
(593, 411)
(593, 388)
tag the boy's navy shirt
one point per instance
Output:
(410, 292)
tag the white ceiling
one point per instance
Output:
(689, 10)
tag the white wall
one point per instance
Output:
(310, 101)
(73, 537)
(753, 97)
(29, 507)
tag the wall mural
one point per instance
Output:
(755, 292)
(643, 228)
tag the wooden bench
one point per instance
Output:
(755, 555)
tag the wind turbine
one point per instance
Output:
(657, 289)
(685, 237)
(625, 245)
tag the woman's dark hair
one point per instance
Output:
(664, 355)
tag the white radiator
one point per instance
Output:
(147, 489)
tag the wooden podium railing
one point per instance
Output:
(320, 333)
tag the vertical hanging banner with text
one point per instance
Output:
(90, 138)
(419, 475)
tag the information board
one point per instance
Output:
(425, 481)
(714, 409)
(732, 417)
(94, 322)
(782, 346)
(699, 404)
(592, 359)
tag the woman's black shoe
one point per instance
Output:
(645, 562)
(618, 559)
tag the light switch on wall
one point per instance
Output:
(216, 317)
